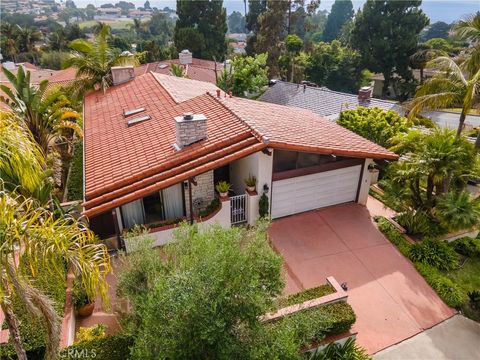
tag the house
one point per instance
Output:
(320, 100)
(378, 79)
(196, 69)
(156, 145)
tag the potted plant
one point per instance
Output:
(251, 182)
(81, 301)
(223, 188)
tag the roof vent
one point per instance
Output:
(190, 128)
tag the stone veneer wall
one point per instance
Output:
(204, 189)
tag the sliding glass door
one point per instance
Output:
(167, 204)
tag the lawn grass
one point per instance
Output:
(468, 276)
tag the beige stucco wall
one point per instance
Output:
(258, 164)
(205, 190)
(365, 183)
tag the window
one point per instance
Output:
(291, 160)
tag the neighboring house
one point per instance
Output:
(378, 79)
(321, 100)
(195, 69)
(156, 145)
(238, 47)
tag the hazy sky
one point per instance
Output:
(437, 10)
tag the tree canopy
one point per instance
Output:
(204, 301)
(386, 35)
(342, 11)
(374, 124)
(336, 67)
(206, 23)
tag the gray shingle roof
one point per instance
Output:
(320, 100)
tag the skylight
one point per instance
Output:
(133, 112)
(138, 120)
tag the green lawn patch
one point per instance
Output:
(75, 177)
(305, 295)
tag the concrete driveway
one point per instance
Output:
(392, 301)
(456, 338)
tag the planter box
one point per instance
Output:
(459, 234)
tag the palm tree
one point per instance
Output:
(27, 37)
(450, 87)
(177, 70)
(469, 30)
(22, 163)
(49, 243)
(432, 164)
(422, 56)
(46, 113)
(9, 43)
(94, 61)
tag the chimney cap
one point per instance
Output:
(187, 115)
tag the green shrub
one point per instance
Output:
(435, 253)
(457, 210)
(263, 205)
(374, 124)
(334, 351)
(448, 291)
(214, 205)
(393, 235)
(415, 222)
(75, 177)
(313, 325)
(467, 246)
(91, 333)
(116, 347)
(474, 297)
(305, 295)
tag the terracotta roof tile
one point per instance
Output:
(126, 163)
(117, 156)
(294, 128)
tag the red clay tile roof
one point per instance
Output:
(302, 130)
(126, 163)
(181, 90)
(201, 70)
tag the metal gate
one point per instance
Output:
(238, 209)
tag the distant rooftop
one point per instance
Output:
(320, 100)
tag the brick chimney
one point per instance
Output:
(185, 57)
(122, 74)
(365, 94)
(190, 128)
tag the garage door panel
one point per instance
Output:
(309, 192)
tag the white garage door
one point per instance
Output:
(303, 193)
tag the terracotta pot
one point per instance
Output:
(251, 188)
(223, 194)
(86, 310)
